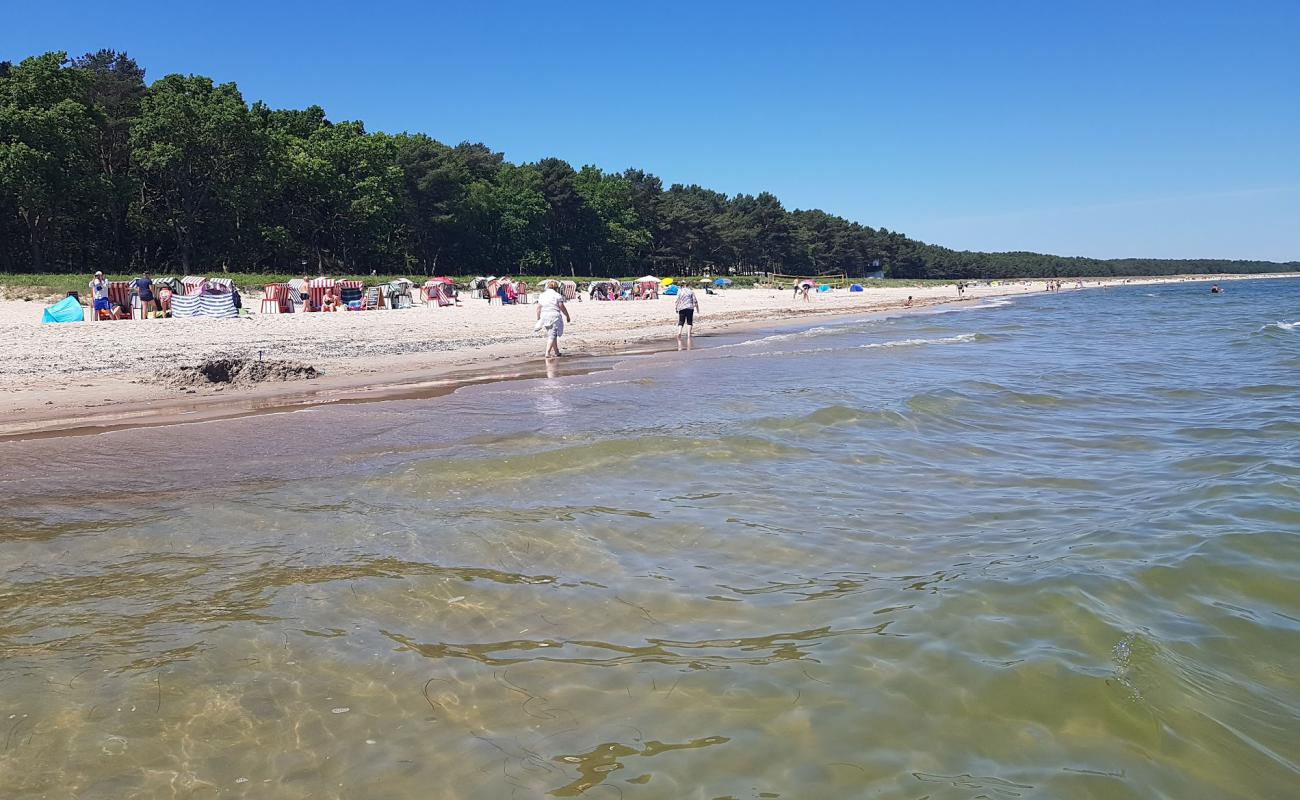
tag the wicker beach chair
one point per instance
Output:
(350, 293)
(120, 294)
(276, 299)
(317, 290)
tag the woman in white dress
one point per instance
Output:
(551, 316)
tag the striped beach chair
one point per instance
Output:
(219, 285)
(350, 294)
(120, 295)
(298, 293)
(276, 299)
(193, 284)
(373, 299)
(317, 290)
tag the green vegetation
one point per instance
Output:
(99, 170)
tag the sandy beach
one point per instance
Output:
(82, 377)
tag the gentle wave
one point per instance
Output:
(961, 338)
(964, 338)
(1280, 326)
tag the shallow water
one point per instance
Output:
(1041, 549)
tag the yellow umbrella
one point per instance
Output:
(666, 282)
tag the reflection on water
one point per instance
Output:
(997, 553)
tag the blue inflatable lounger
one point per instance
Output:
(66, 310)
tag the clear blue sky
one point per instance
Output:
(1163, 129)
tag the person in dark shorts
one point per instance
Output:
(148, 302)
(687, 305)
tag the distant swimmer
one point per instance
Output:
(1216, 289)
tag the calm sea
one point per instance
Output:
(1035, 549)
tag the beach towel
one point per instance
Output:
(66, 310)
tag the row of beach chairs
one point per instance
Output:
(296, 296)
(327, 294)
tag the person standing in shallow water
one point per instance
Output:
(687, 305)
(551, 316)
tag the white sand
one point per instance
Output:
(57, 373)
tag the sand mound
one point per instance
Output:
(235, 372)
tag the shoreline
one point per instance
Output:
(120, 398)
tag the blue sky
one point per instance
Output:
(1153, 129)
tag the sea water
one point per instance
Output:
(1034, 549)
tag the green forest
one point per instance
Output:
(100, 169)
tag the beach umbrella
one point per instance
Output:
(666, 282)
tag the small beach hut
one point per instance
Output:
(647, 287)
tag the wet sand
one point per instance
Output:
(89, 377)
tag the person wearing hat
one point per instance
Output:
(99, 295)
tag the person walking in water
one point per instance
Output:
(551, 316)
(687, 305)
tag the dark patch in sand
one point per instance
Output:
(234, 372)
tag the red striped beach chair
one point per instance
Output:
(317, 290)
(193, 284)
(119, 294)
(276, 299)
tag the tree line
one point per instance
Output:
(101, 170)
